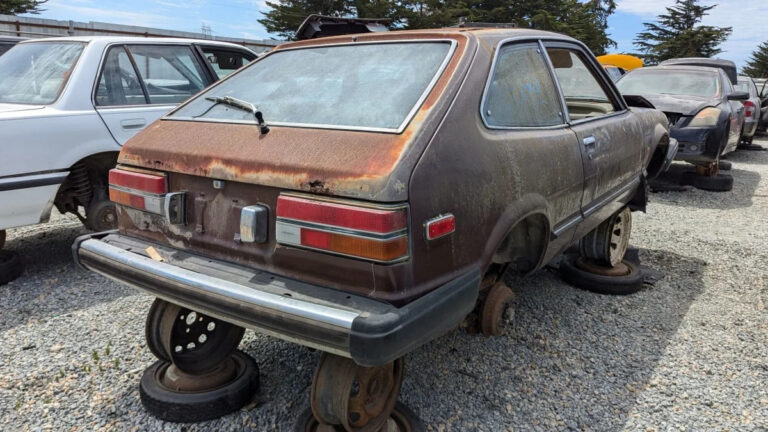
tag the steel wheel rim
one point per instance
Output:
(357, 398)
(397, 422)
(621, 230)
(193, 342)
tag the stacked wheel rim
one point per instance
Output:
(402, 419)
(173, 395)
(360, 399)
(193, 342)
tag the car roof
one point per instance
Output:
(700, 69)
(490, 35)
(11, 38)
(105, 40)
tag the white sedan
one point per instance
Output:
(67, 105)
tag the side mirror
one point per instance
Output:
(738, 96)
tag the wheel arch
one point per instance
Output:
(96, 167)
(657, 161)
(521, 235)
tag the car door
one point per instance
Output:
(525, 115)
(222, 61)
(139, 83)
(607, 132)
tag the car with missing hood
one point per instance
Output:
(350, 193)
(705, 113)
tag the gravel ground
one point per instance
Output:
(688, 353)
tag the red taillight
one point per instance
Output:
(138, 190)
(155, 184)
(342, 215)
(440, 226)
(378, 234)
(750, 108)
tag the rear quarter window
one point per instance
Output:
(521, 92)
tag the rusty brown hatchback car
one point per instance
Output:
(362, 194)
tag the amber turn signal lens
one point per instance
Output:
(379, 250)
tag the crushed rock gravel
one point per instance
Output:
(687, 353)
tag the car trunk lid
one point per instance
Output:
(372, 166)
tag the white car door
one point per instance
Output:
(139, 83)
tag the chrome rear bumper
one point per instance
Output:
(368, 331)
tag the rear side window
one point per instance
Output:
(224, 62)
(118, 84)
(171, 74)
(521, 92)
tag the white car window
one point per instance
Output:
(36, 73)
(171, 74)
(118, 84)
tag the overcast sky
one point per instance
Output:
(237, 18)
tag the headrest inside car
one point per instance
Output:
(561, 59)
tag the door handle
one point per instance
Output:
(588, 141)
(137, 123)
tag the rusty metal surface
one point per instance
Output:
(497, 312)
(446, 161)
(177, 380)
(360, 399)
(368, 165)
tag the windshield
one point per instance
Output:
(674, 82)
(369, 86)
(35, 73)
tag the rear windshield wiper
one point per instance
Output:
(240, 104)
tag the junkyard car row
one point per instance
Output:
(282, 199)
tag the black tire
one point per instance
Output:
(725, 165)
(101, 214)
(180, 407)
(613, 285)
(718, 183)
(306, 421)
(10, 266)
(2, 239)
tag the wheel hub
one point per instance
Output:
(175, 379)
(498, 310)
(193, 342)
(590, 266)
(360, 399)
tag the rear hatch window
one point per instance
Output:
(374, 86)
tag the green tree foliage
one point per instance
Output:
(585, 20)
(15, 7)
(757, 65)
(677, 34)
(285, 16)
